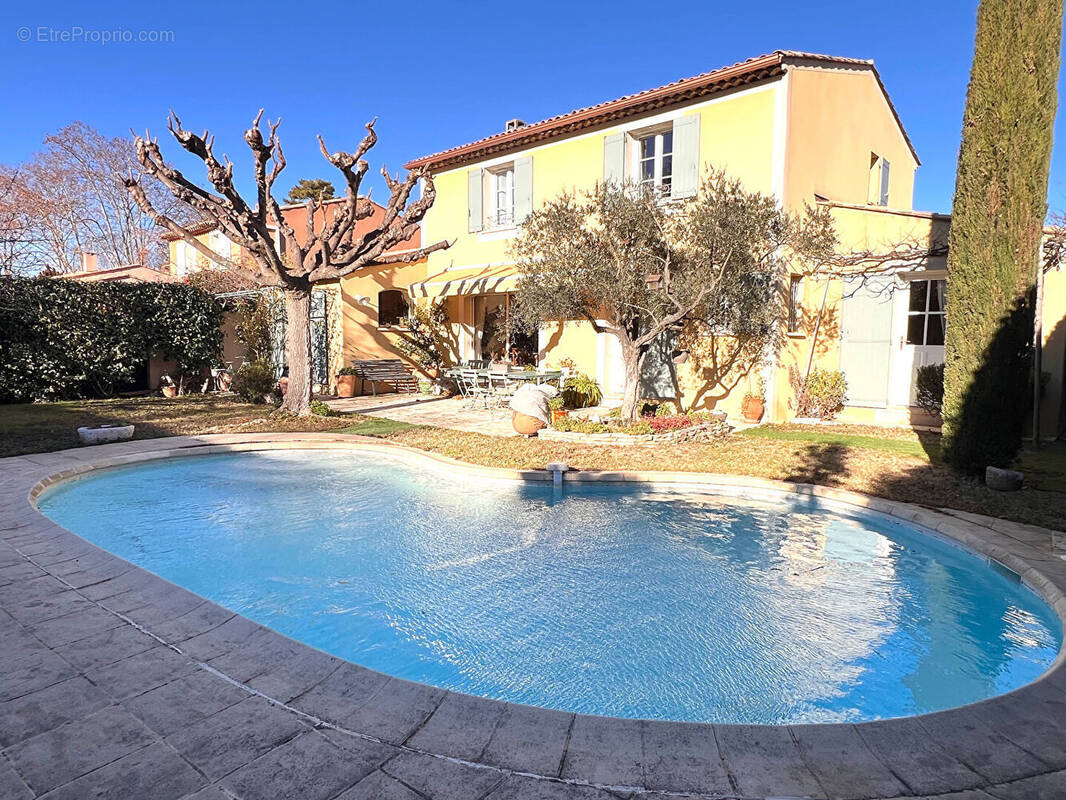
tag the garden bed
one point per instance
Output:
(645, 432)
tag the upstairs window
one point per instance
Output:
(925, 315)
(393, 309)
(501, 197)
(879, 174)
(655, 161)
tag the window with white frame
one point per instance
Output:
(501, 197)
(655, 160)
(925, 314)
(879, 178)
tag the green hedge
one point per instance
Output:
(62, 339)
(997, 218)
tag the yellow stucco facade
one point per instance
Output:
(809, 130)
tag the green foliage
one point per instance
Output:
(712, 260)
(424, 341)
(822, 395)
(996, 226)
(929, 386)
(253, 328)
(574, 424)
(253, 381)
(348, 371)
(310, 188)
(581, 391)
(67, 339)
(557, 403)
(321, 409)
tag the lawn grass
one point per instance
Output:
(376, 426)
(42, 427)
(865, 441)
(894, 463)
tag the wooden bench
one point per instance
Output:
(385, 370)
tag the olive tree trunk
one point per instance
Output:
(298, 349)
(632, 360)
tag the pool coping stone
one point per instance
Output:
(103, 650)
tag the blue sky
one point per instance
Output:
(444, 73)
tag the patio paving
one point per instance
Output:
(115, 683)
(441, 412)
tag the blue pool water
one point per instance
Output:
(611, 600)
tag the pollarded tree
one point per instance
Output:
(333, 245)
(636, 267)
(996, 224)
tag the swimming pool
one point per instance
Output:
(610, 599)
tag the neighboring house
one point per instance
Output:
(361, 316)
(806, 128)
(90, 272)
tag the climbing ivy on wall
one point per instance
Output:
(62, 339)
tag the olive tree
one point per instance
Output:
(636, 265)
(338, 240)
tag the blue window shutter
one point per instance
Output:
(883, 199)
(523, 189)
(686, 178)
(614, 158)
(474, 192)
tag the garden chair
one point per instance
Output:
(477, 389)
(501, 387)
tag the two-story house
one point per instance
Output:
(808, 129)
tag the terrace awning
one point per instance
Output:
(467, 281)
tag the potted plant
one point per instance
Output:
(754, 404)
(168, 386)
(558, 410)
(346, 382)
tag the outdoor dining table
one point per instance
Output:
(513, 375)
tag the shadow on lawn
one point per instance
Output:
(820, 463)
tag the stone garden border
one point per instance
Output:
(117, 679)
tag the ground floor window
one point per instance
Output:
(925, 314)
(795, 303)
(393, 308)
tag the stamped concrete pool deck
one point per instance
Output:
(115, 683)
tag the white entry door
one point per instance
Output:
(920, 334)
(866, 339)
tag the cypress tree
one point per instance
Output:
(996, 226)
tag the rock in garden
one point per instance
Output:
(1003, 480)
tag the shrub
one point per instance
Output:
(822, 395)
(253, 381)
(64, 339)
(581, 391)
(664, 424)
(929, 385)
(348, 371)
(425, 340)
(574, 424)
(321, 409)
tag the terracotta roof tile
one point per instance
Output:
(743, 72)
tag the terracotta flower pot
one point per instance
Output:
(558, 414)
(169, 391)
(346, 386)
(752, 409)
(525, 424)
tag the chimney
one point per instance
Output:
(513, 125)
(90, 262)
